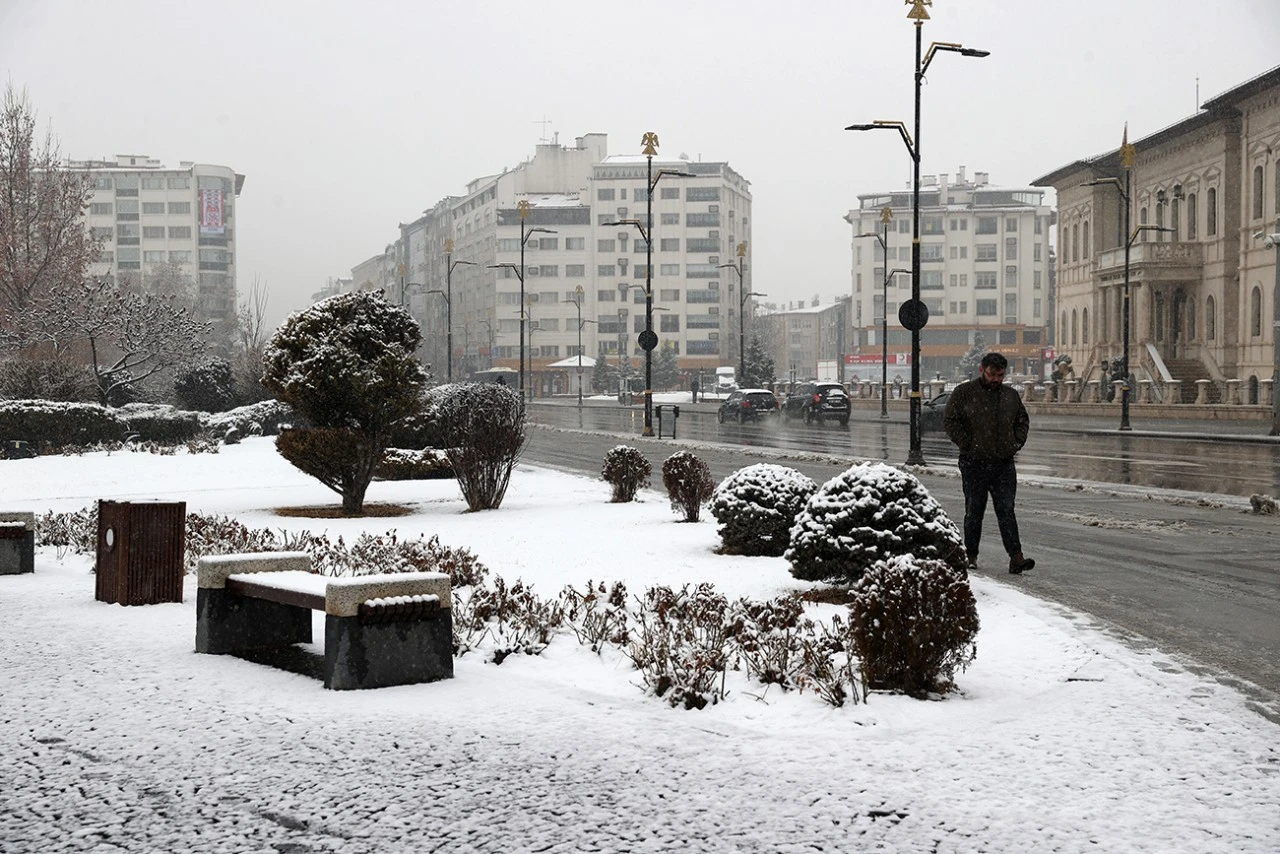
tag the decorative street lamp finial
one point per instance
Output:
(650, 143)
(918, 12)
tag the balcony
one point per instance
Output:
(1152, 262)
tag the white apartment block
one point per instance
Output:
(149, 216)
(985, 265)
(699, 218)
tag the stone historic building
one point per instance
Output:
(1201, 283)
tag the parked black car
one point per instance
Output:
(931, 412)
(748, 404)
(818, 402)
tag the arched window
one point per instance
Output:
(1175, 217)
(1075, 329)
(1193, 217)
(1257, 192)
(1255, 312)
(1066, 244)
(1084, 252)
(1084, 326)
(1211, 212)
(1210, 320)
(1191, 320)
(1142, 220)
(1159, 221)
(1075, 242)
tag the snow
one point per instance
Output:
(116, 736)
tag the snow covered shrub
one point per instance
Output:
(423, 429)
(513, 619)
(45, 424)
(263, 418)
(483, 431)
(756, 507)
(598, 616)
(399, 464)
(156, 422)
(679, 645)
(870, 513)
(47, 378)
(626, 470)
(348, 366)
(206, 387)
(913, 623)
(766, 638)
(76, 532)
(689, 483)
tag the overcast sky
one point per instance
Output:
(349, 118)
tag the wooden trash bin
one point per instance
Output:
(141, 551)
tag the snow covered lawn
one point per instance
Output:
(116, 736)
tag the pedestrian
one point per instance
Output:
(986, 420)
(693, 387)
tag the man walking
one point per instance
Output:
(986, 420)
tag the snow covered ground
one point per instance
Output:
(116, 736)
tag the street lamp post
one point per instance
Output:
(448, 298)
(915, 315)
(489, 326)
(886, 216)
(743, 295)
(522, 209)
(648, 338)
(577, 304)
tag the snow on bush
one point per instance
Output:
(756, 507)
(46, 424)
(913, 623)
(869, 513)
(158, 422)
(689, 483)
(626, 470)
(263, 418)
(482, 427)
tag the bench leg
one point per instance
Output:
(226, 622)
(18, 554)
(377, 655)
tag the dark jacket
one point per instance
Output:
(986, 422)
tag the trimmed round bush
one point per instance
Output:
(689, 483)
(869, 513)
(756, 507)
(158, 422)
(626, 470)
(912, 624)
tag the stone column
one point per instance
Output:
(1174, 387)
(1233, 392)
(1144, 391)
(1264, 392)
(1118, 385)
(1091, 393)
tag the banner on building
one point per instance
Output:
(211, 212)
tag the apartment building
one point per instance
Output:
(160, 221)
(809, 341)
(984, 271)
(539, 242)
(1202, 285)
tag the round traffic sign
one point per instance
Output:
(913, 315)
(648, 339)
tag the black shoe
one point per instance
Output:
(1019, 564)
(971, 560)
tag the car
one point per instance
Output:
(931, 412)
(748, 404)
(818, 401)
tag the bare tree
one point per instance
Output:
(127, 337)
(43, 239)
(251, 340)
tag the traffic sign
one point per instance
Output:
(648, 339)
(913, 315)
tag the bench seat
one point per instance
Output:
(380, 630)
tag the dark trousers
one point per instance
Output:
(999, 479)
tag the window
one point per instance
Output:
(179, 232)
(1035, 280)
(100, 209)
(548, 243)
(606, 270)
(152, 182)
(702, 244)
(575, 271)
(671, 218)
(575, 243)
(153, 232)
(128, 230)
(603, 218)
(1011, 246)
(1193, 225)
(131, 254)
(984, 281)
(153, 256)
(706, 220)
(988, 225)
(179, 182)
(153, 207)
(986, 252)
(1035, 312)
(985, 307)
(640, 247)
(928, 252)
(670, 244)
(931, 225)
(127, 206)
(1255, 312)
(606, 246)
(102, 184)
(964, 283)
(1084, 326)
(179, 207)
(603, 195)
(1211, 211)
(102, 233)
(1257, 192)
(1210, 319)
(668, 322)
(931, 280)
(180, 256)
(1036, 253)
(669, 270)
(702, 194)
(958, 224)
(701, 271)
(694, 295)
(1011, 223)
(606, 296)
(1010, 277)
(934, 305)
(670, 192)
(1075, 242)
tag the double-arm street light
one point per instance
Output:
(886, 217)
(914, 315)
(577, 304)
(743, 296)
(448, 298)
(649, 339)
(522, 209)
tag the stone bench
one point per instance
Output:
(380, 630)
(17, 543)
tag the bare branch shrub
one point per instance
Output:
(483, 426)
(626, 470)
(689, 483)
